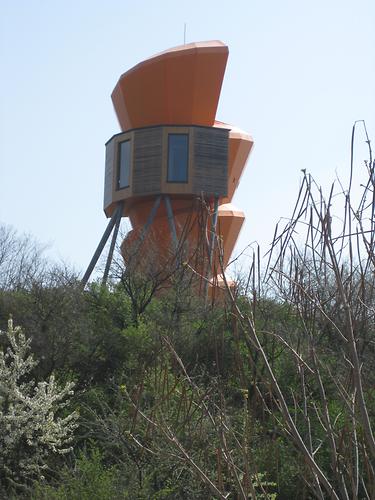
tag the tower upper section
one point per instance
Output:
(180, 86)
(170, 142)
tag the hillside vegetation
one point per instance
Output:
(138, 390)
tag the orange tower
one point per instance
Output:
(172, 157)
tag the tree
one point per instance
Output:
(326, 408)
(31, 428)
(21, 259)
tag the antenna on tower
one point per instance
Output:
(184, 33)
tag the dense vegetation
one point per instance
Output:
(266, 392)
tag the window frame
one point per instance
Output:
(119, 156)
(187, 135)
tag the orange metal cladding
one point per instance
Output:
(180, 86)
(159, 241)
(159, 246)
(230, 221)
(230, 218)
(240, 147)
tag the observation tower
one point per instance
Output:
(173, 169)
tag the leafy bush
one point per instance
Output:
(89, 480)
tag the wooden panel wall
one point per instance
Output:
(208, 164)
(147, 166)
(109, 172)
(210, 161)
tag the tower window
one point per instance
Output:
(124, 164)
(178, 150)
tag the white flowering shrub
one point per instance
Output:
(31, 427)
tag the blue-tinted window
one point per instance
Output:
(178, 147)
(124, 164)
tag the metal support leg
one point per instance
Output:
(111, 249)
(171, 223)
(213, 231)
(146, 227)
(212, 243)
(117, 213)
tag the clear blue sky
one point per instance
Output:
(299, 74)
